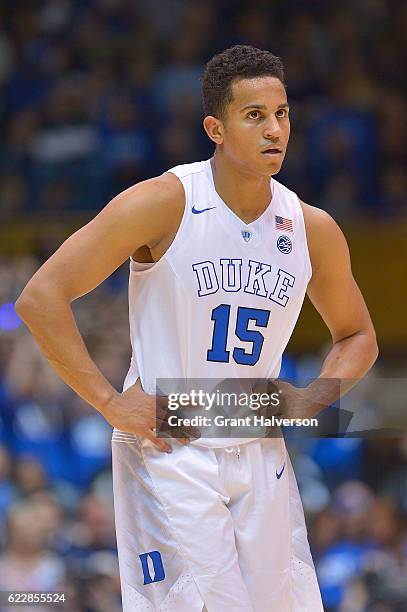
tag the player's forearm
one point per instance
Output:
(51, 321)
(346, 363)
(351, 358)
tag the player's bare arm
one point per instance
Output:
(338, 299)
(143, 219)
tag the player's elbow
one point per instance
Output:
(32, 299)
(371, 348)
(375, 350)
(27, 302)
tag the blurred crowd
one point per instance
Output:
(56, 514)
(98, 94)
(56, 506)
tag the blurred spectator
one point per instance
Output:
(340, 196)
(340, 558)
(7, 487)
(382, 584)
(126, 143)
(181, 76)
(29, 476)
(13, 195)
(393, 189)
(26, 564)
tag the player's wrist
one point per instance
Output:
(322, 392)
(106, 402)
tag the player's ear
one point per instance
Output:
(214, 128)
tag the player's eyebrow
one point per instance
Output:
(262, 106)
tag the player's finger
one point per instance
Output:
(192, 433)
(271, 411)
(161, 407)
(159, 423)
(158, 442)
(184, 441)
(174, 432)
(185, 436)
(159, 411)
(184, 432)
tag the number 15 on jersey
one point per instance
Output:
(221, 318)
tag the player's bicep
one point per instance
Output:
(333, 289)
(96, 250)
(83, 261)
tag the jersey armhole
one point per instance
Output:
(146, 267)
(308, 256)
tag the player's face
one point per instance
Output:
(257, 126)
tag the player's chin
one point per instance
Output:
(272, 162)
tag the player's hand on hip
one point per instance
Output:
(302, 402)
(136, 412)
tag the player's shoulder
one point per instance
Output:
(324, 236)
(154, 207)
(183, 171)
(166, 189)
(158, 198)
(159, 189)
(318, 221)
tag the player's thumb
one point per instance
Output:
(137, 386)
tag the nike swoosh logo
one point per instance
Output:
(279, 474)
(198, 212)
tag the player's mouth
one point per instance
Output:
(272, 152)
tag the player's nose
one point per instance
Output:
(272, 129)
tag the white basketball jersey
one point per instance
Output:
(223, 300)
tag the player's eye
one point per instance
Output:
(254, 114)
(282, 112)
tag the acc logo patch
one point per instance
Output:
(284, 244)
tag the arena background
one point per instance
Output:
(98, 94)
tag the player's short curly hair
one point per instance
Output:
(235, 63)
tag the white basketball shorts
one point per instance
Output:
(220, 529)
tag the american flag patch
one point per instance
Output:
(284, 224)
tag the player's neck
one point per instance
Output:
(245, 194)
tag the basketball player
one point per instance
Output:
(222, 255)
